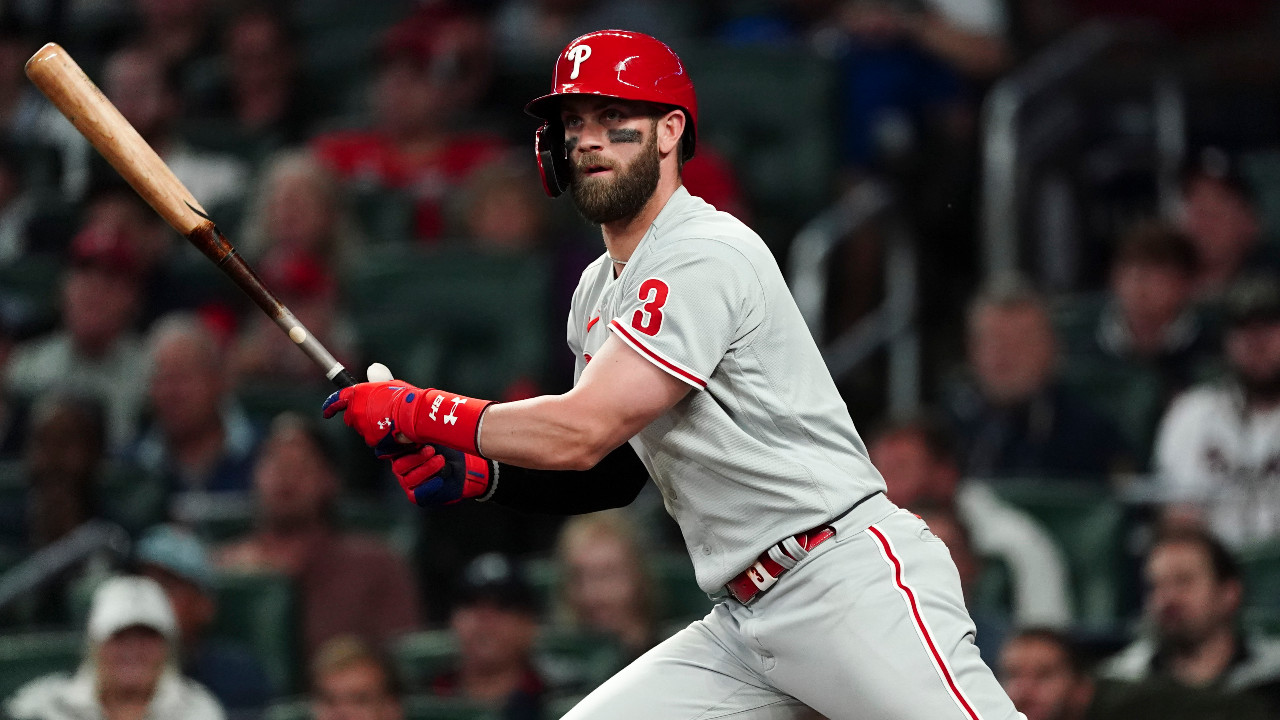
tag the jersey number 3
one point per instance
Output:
(648, 319)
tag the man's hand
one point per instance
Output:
(437, 475)
(380, 411)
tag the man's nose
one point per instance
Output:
(591, 138)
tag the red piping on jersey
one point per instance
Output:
(591, 323)
(918, 619)
(621, 330)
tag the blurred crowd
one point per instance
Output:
(1103, 460)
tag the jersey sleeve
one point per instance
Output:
(686, 308)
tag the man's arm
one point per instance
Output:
(619, 393)
(613, 483)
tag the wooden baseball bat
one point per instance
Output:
(76, 97)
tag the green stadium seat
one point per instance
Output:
(32, 284)
(427, 707)
(27, 656)
(421, 656)
(470, 321)
(1088, 525)
(560, 705)
(1260, 563)
(569, 660)
(261, 610)
(1132, 396)
(293, 709)
(575, 661)
(783, 148)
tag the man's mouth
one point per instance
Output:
(593, 170)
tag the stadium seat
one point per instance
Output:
(27, 656)
(575, 661)
(783, 148)
(293, 709)
(1132, 396)
(453, 317)
(427, 707)
(1260, 563)
(569, 660)
(261, 610)
(1088, 525)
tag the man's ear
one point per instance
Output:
(670, 129)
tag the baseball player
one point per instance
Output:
(693, 358)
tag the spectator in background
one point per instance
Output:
(127, 671)
(62, 466)
(179, 33)
(501, 211)
(919, 461)
(260, 92)
(991, 625)
(1218, 447)
(605, 584)
(264, 355)
(1045, 676)
(177, 561)
(348, 584)
(199, 439)
(495, 622)
(113, 208)
(418, 95)
(95, 350)
(1194, 594)
(907, 70)
(28, 120)
(145, 90)
(1013, 418)
(299, 208)
(352, 681)
(1220, 215)
(1149, 319)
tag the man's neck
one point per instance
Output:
(622, 236)
(1203, 664)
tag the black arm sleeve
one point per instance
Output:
(614, 482)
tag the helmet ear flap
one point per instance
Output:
(553, 162)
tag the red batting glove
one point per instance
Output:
(380, 410)
(437, 475)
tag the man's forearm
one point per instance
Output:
(550, 432)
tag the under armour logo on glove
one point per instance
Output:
(384, 423)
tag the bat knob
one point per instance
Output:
(378, 372)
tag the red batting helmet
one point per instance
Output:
(614, 63)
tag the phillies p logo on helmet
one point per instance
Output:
(578, 54)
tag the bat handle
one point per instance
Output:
(343, 379)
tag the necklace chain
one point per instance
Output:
(612, 258)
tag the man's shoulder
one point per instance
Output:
(1131, 664)
(1209, 399)
(36, 697)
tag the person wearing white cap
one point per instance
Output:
(129, 670)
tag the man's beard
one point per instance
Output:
(602, 200)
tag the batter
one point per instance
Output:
(693, 359)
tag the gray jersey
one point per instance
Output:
(763, 448)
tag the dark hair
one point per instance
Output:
(1156, 243)
(1069, 649)
(1225, 566)
(932, 432)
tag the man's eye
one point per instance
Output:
(572, 122)
(612, 115)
